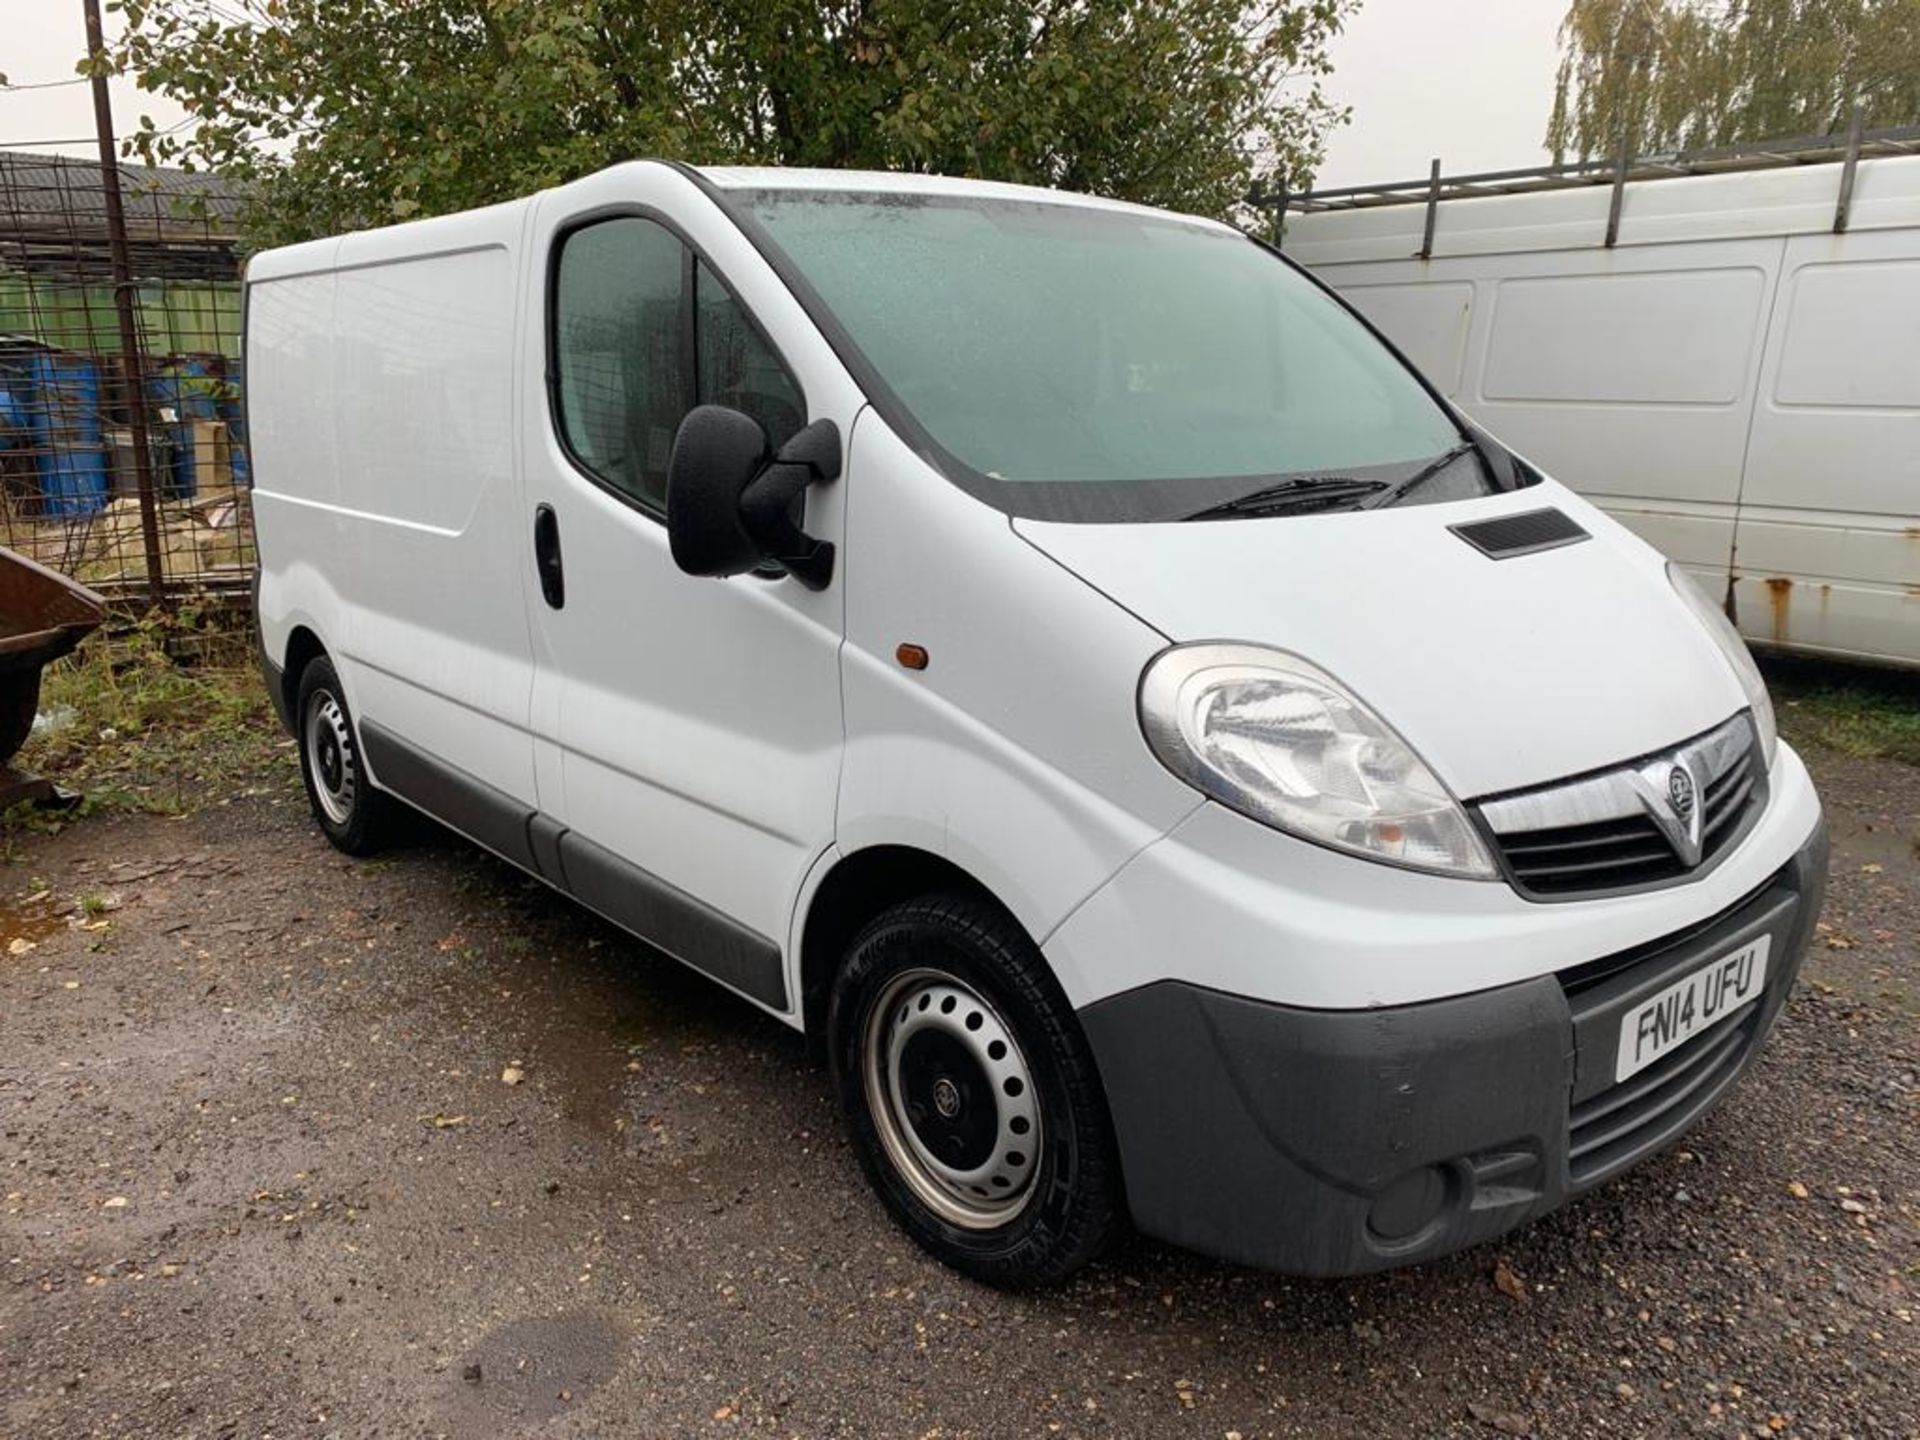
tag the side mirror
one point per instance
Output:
(731, 503)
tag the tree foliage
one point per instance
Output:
(1682, 74)
(353, 112)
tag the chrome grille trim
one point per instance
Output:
(1613, 795)
(1626, 828)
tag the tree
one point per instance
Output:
(1682, 74)
(351, 112)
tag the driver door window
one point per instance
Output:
(642, 332)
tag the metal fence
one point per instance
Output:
(123, 465)
(1847, 149)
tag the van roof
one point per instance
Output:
(495, 221)
(889, 182)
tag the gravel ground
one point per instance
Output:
(265, 1174)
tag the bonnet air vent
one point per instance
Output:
(1522, 534)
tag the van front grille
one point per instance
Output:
(1625, 828)
(1641, 1113)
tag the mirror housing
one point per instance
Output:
(730, 504)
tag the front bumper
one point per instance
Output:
(1330, 1142)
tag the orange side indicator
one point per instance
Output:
(911, 657)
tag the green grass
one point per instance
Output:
(163, 714)
(1867, 713)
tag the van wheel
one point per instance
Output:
(971, 1094)
(356, 817)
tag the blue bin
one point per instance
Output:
(14, 422)
(234, 413)
(189, 389)
(68, 439)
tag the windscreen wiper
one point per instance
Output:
(1401, 488)
(1302, 492)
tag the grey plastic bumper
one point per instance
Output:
(1338, 1142)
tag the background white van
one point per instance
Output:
(1734, 379)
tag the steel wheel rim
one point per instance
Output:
(330, 757)
(952, 1097)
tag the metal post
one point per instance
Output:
(1841, 213)
(130, 358)
(1621, 163)
(1433, 210)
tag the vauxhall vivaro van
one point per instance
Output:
(1057, 653)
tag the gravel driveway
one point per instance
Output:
(297, 1145)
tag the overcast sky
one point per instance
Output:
(1467, 80)
(40, 43)
(1470, 81)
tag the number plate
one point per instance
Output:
(1687, 1007)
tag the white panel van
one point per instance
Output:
(1733, 380)
(1054, 653)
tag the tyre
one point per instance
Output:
(971, 1094)
(356, 817)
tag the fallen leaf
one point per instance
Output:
(443, 1122)
(512, 1075)
(1507, 1422)
(725, 1412)
(1510, 1284)
(118, 1202)
(1874, 869)
(1796, 1189)
(19, 945)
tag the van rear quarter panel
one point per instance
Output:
(290, 434)
(388, 492)
(1829, 537)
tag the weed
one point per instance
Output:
(137, 727)
(1866, 713)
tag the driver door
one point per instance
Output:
(687, 730)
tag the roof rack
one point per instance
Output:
(1848, 148)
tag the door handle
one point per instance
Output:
(546, 556)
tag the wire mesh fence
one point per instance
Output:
(79, 490)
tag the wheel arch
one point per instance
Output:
(303, 648)
(856, 888)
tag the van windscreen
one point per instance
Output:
(1078, 362)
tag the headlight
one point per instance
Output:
(1282, 741)
(1738, 656)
